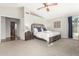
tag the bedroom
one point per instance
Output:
(56, 19)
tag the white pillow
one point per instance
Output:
(35, 30)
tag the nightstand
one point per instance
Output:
(28, 35)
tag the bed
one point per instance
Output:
(39, 31)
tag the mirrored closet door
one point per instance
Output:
(75, 27)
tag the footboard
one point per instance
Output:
(54, 38)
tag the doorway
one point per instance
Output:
(12, 30)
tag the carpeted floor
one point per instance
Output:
(35, 47)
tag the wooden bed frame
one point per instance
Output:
(51, 39)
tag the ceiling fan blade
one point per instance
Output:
(53, 4)
(40, 8)
(47, 9)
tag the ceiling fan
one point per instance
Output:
(46, 5)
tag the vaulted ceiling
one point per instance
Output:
(62, 9)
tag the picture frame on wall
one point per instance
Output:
(57, 24)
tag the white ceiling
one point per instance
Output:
(62, 9)
(9, 5)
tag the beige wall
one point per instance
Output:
(22, 33)
(3, 28)
(11, 12)
(64, 26)
(29, 19)
(0, 27)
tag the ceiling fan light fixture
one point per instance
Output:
(46, 5)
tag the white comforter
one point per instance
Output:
(46, 34)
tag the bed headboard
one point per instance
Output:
(35, 26)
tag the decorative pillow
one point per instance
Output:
(44, 29)
(39, 29)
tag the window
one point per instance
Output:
(75, 23)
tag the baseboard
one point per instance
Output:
(6, 39)
(18, 38)
(9, 39)
(3, 40)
